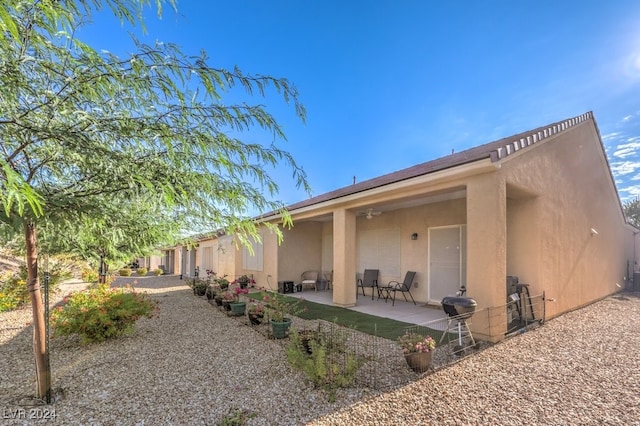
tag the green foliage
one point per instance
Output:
(365, 323)
(157, 272)
(90, 275)
(101, 313)
(236, 418)
(279, 306)
(111, 156)
(124, 272)
(632, 212)
(14, 293)
(324, 358)
(142, 271)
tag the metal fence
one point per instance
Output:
(383, 365)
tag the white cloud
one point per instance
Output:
(622, 168)
(627, 149)
(610, 136)
(630, 192)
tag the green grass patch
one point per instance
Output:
(370, 324)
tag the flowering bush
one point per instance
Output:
(414, 342)
(255, 308)
(13, 291)
(229, 296)
(89, 275)
(101, 313)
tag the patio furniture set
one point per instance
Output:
(388, 291)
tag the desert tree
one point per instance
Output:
(96, 148)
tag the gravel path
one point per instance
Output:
(191, 364)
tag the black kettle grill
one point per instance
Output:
(459, 309)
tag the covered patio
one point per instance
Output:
(401, 311)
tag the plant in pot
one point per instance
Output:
(222, 282)
(417, 350)
(280, 311)
(243, 281)
(200, 287)
(255, 312)
(217, 295)
(238, 306)
(228, 297)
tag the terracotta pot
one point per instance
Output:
(419, 361)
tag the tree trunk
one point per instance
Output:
(40, 352)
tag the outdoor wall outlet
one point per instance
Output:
(416, 285)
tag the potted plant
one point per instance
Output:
(279, 314)
(238, 306)
(222, 282)
(255, 312)
(243, 281)
(417, 350)
(200, 287)
(228, 297)
(217, 296)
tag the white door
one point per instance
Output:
(447, 254)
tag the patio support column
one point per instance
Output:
(344, 258)
(487, 253)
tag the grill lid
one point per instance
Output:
(455, 306)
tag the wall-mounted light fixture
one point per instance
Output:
(594, 232)
(414, 236)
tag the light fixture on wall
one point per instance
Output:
(414, 236)
(594, 232)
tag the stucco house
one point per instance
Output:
(541, 205)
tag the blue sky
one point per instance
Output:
(390, 84)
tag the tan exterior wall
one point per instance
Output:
(268, 277)
(548, 213)
(567, 192)
(300, 251)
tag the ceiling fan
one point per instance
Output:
(369, 213)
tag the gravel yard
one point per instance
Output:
(191, 364)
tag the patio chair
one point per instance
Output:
(369, 279)
(390, 290)
(309, 278)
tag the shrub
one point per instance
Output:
(157, 272)
(142, 271)
(101, 313)
(13, 285)
(324, 358)
(125, 272)
(13, 291)
(89, 276)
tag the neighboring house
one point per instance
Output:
(541, 205)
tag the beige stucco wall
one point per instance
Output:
(300, 251)
(529, 214)
(567, 192)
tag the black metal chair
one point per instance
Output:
(369, 279)
(390, 290)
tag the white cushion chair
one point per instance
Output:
(309, 278)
